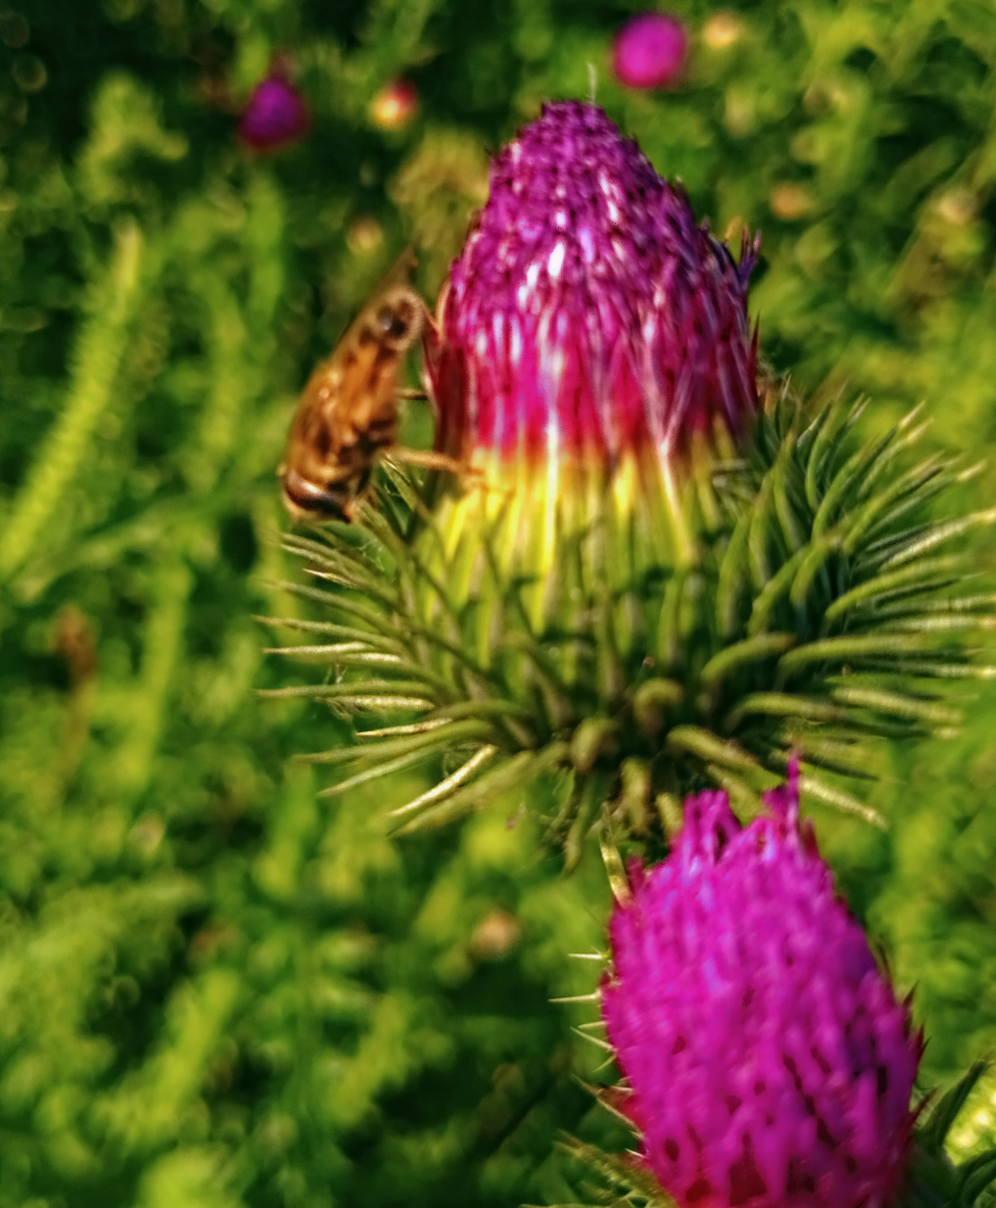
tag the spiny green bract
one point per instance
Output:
(816, 613)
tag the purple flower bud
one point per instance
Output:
(769, 1061)
(649, 51)
(588, 315)
(275, 114)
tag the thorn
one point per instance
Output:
(911, 416)
(595, 997)
(599, 1044)
(970, 472)
(446, 788)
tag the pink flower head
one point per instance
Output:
(769, 1061)
(588, 314)
(649, 51)
(275, 114)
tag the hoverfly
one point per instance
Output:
(349, 409)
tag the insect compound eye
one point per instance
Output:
(390, 322)
(399, 320)
(395, 322)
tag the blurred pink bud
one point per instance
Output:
(394, 106)
(769, 1060)
(275, 115)
(649, 51)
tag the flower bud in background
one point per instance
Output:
(394, 106)
(649, 51)
(768, 1059)
(722, 30)
(275, 114)
(364, 235)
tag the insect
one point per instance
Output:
(349, 409)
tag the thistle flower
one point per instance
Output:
(769, 1061)
(275, 114)
(600, 596)
(649, 51)
(589, 316)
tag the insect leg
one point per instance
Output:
(432, 460)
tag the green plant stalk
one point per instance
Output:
(114, 302)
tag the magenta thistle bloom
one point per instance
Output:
(769, 1061)
(275, 114)
(588, 314)
(649, 51)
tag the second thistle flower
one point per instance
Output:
(768, 1060)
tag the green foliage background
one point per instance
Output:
(215, 988)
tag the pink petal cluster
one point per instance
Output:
(275, 114)
(769, 1061)
(588, 313)
(649, 51)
